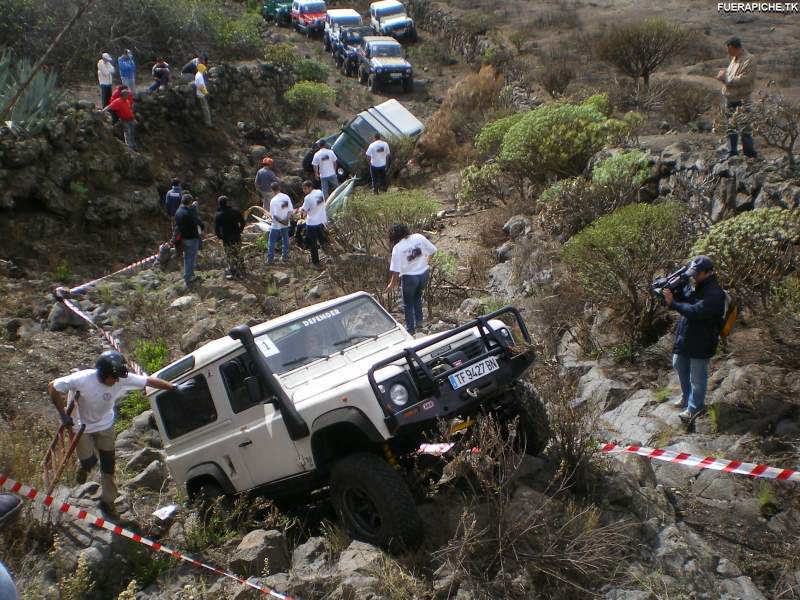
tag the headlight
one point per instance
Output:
(398, 394)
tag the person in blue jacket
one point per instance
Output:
(172, 199)
(701, 308)
(127, 70)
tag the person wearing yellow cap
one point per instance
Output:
(202, 93)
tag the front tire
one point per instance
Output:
(408, 85)
(374, 502)
(533, 425)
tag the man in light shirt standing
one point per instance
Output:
(324, 164)
(202, 93)
(378, 153)
(409, 267)
(97, 390)
(280, 209)
(316, 218)
(105, 76)
(739, 79)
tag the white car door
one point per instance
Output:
(267, 451)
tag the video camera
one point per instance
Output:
(672, 282)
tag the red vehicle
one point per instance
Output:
(308, 16)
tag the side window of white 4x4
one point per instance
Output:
(186, 408)
(234, 374)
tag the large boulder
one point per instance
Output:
(154, 477)
(257, 547)
(202, 331)
(61, 317)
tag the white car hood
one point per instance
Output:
(389, 61)
(395, 20)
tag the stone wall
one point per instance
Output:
(436, 21)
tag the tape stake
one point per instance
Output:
(708, 462)
(80, 514)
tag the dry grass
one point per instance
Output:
(687, 100)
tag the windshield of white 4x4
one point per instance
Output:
(379, 50)
(312, 7)
(324, 334)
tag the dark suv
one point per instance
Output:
(381, 61)
(345, 47)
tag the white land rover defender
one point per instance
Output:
(323, 395)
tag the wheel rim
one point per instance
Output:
(362, 511)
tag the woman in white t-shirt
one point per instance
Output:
(409, 266)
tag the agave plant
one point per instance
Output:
(39, 99)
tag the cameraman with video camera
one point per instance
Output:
(701, 308)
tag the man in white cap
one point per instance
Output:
(105, 75)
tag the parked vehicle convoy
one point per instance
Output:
(334, 20)
(328, 396)
(391, 119)
(388, 17)
(345, 47)
(381, 61)
(280, 12)
(308, 16)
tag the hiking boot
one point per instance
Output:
(81, 475)
(687, 415)
(679, 403)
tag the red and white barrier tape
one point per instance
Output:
(33, 494)
(708, 462)
(130, 267)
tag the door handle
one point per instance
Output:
(247, 443)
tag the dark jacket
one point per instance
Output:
(172, 200)
(701, 318)
(188, 223)
(228, 225)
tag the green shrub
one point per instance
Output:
(130, 407)
(638, 49)
(62, 272)
(616, 257)
(151, 355)
(476, 23)
(364, 221)
(311, 70)
(490, 138)
(37, 102)
(632, 165)
(497, 56)
(752, 251)
(784, 298)
(282, 56)
(559, 139)
(402, 149)
(568, 206)
(309, 99)
(482, 187)
(240, 35)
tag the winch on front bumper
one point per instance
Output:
(454, 381)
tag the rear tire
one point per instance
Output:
(374, 502)
(533, 425)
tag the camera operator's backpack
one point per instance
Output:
(730, 313)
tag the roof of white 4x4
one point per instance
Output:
(385, 4)
(343, 12)
(215, 349)
(380, 39)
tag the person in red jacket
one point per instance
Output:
(122, 108)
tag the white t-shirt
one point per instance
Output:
(410, 255)
(378, 153)
(200, 85)
(314, 207)
(280, 207)
(105, 72)
(325, 159)
(96, 400)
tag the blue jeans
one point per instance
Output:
(274, 234)
(190, 250)
(130, 82)
(413, 286)
(105, 95)
(693, 375)
(7, 589)
(328, 184)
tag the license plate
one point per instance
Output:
(469, 374)
(396, 75)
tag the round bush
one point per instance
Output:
(482, 186)
(753, 250)
(616, 257)
(630, 166)
(311, 70)
(490, 138)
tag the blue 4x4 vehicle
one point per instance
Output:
(388, 17)
(381, 61)
(346, 45)
(334, 21)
